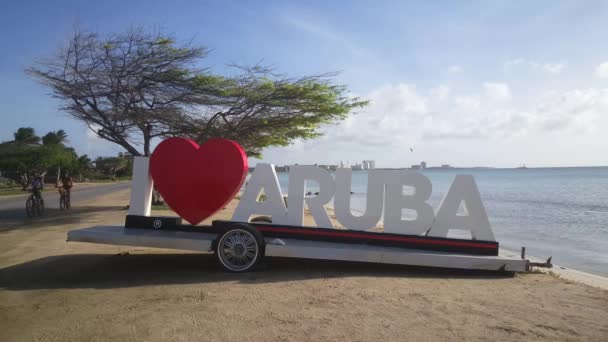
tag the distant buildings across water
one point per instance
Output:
(364, 165)
(423, 166)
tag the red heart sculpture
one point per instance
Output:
(196, 181)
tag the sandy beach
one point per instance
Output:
(51, 290)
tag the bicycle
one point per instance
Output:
(34, 206)
(64, 199)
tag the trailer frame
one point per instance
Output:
(205, 239)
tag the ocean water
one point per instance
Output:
(559, 212)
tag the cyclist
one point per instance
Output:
(66, 185)
(37, 185)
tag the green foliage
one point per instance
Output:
(111, 166)
(262, 109)
(18, 157)
(164, 41)
(84, 163)
(25, 155)
(29, 158)
(55, 138)
(26, 135)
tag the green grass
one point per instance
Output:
(11, 191)
(118, 179)
(16, 190)
(163, 206)
(154, 207)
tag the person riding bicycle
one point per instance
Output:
(66, 184)
(37, 185)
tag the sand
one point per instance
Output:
(51, 290)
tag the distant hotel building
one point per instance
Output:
(420, 166)
(329, 167)
(369, 165)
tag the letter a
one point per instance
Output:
(462, 191)
(264, 178)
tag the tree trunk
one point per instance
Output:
(147, 147)
(146, 133)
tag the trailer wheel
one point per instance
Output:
(240, 248)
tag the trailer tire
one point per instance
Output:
(239, 249)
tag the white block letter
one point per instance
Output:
(395, 201)
(373, 207)
(463, 191)
(297, 188)
(264, 178)
(141, 187)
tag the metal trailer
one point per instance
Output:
(239, 246)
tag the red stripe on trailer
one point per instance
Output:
(376, 237)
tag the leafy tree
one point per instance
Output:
(260, 109)
(53, 156)
(84, 163)
(23, 156)
(133, 87)
(110, 165)
(26, 135)
(55, 138)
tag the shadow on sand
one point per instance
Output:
(103, 271)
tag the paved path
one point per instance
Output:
(12, 208)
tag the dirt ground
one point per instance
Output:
(51, 290)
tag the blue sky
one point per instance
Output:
(466, 83)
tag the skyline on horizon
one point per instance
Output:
(438, 167)
(467, 84)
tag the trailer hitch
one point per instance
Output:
(530, 264)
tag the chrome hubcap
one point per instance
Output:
(238, 250)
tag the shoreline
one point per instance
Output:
(566, 273)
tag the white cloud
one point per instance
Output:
(578, 109)
(402, 114)
(601, 70)
(467, 103)
(510, 64)
(440, 93)
(553, 68)
(497, 91)
(446, 125)
(550, 68)
(455, 69)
